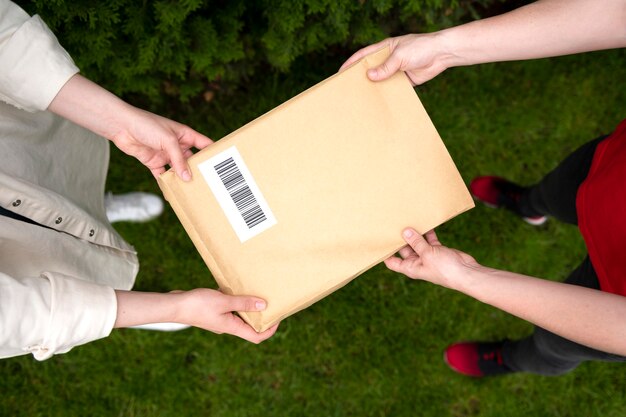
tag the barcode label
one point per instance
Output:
(237, 193)
(240, 192)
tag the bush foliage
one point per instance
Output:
(180, 49)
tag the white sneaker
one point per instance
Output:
(132, 207)
(162, 327)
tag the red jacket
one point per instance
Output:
(601, 207)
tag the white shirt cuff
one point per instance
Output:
(33, 66)
(80, 312)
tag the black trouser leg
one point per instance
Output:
(546, 353)
(555, 194)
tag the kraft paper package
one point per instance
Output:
(300, 201)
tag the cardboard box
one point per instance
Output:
(300, 201)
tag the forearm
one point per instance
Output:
(92, 107)
(542, 29)
(134, 308)
(155, 141)
(590, 317)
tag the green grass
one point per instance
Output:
(374, 347)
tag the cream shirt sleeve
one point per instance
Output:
(55, 297)
(42, 313)
(33, 65)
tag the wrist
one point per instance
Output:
(467, 278)
(478, 282)
(178, 302)
(117, 117)
(450, 43)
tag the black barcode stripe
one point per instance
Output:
(240, 192)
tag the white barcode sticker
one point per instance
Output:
(237, 193)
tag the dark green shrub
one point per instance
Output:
(181, 49)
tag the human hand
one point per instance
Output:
(426, 258)
(420, 56)
(212, 310)
(156, 142)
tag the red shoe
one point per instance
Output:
(476, 359)
(497, 192)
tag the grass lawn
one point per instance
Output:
(374, 348)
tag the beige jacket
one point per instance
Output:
(56, 282)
